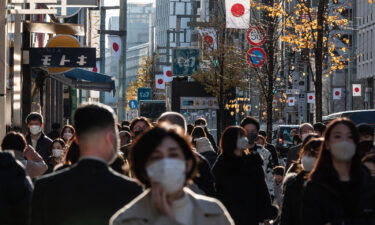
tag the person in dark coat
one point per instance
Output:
(340, 190)
(15, 191)
(55, 133)
(205, 180)
(88, 192)
(36, 138)
(294, 166)
(366, 139)
(240, 182)
(263, 155)
(305, 130)
(294, 183)
(271, 148)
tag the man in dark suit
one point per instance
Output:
(36, 137)
(89, 192)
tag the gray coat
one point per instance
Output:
(140, 211)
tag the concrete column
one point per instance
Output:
(3, 66)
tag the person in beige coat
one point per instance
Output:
(33, 163)
(163, 161)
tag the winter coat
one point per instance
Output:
(204, 147)
(15, 191)
(43, 145)
(275, 159)
(293, 191)
(88, 192)
(323, 203)
(241, 187)
(205, 180)
(267, 166)
(206, 211)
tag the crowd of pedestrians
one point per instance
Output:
(168, 172)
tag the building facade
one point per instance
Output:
(365, 50)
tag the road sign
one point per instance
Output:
(185, 61)
(144, 94)
(256, 57)
(256, 36)
(133, 104)
(62, 57)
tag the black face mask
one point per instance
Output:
(366, 146)
(251, 137)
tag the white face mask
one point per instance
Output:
(343, 150)
(35, 129)
(57, 153)
(170, 173)
(242, 143)
(67, 136)
(308, 162)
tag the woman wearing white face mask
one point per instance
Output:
(67, 133)
(293, 184)
(57, 154)
(340, 190)
(164, 163)
(239, 180)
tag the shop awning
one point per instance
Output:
(86, 75)
(83, 79)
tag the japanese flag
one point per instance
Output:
(357, 90)
(291, 101)
(167, 72)
(337, 92)
(209, 37)
(159, 81)
(115, 46)
(237, 14)
(310, 98)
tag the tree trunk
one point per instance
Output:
(269, 119)
(322, 7)
(270, 69)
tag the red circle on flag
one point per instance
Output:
(160, 81)
(356, 89)
(168, 73)
(115, 46)
(311, 97)
(209, 39)
(337, 93)
(95, 69)
(238, 10)
(291, 100)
